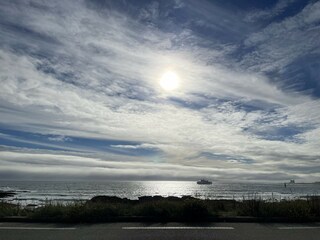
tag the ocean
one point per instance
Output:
(32, 192)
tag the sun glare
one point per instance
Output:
(169, 81)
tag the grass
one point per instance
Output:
(102, 209)
(291, 209)
(8, 209)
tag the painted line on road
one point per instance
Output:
(35, 228)
(177, 228)
(297, 228)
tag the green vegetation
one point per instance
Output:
(103, 208)
(8, 209)
(290, 209)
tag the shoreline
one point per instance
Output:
(39, 193)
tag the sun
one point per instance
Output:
(169, 81)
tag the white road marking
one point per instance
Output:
(177, 228)
(292, 228)
(35, 228)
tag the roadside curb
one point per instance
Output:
(157, 219)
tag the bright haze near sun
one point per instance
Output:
(169, 81)
(160, 90)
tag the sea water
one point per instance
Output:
(36, 192)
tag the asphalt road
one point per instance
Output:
(125, 231)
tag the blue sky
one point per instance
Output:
(81, 95)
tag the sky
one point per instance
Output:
(82, 98)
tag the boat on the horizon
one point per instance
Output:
(203, 182)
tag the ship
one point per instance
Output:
(292, 181)
(204, 182)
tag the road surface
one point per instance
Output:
(158, 231)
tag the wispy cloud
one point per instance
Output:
(267, 14)
(59, 138)
(144, 145)
(274, 51)
(90, 70)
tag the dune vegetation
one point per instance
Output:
(157, 208)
